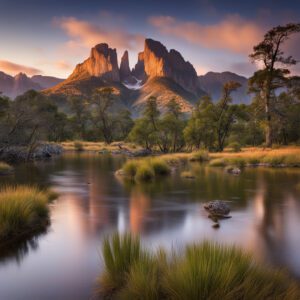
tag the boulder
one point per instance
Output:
(217, 208)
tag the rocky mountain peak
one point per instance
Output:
(103, 62)
(124, 67)
(159, 62)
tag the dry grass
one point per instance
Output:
(98, 146)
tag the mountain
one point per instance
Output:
(212, 83)
(46, 81)
(158, 72)
(14, 86)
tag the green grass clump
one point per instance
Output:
(145, 169)
(119, 252)
(201, 156)
(144, 172)
(239, 162)
(201, 271)
(273, 160)
(78, 146)
(217, 162)
(5, 168)
(23, 209)
(160, 167)
(130, 168)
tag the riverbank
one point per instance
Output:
(285, 156)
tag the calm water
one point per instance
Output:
(64, 262)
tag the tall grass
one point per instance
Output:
(202, 271)
(201, 156)
(22, 209)
(145, 169)
(78, 146)
(5, 168)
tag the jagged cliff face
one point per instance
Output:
(124, 67)
(159, 62)
(103, 62)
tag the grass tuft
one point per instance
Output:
(201, 271)
(5, 168)
(78, 146)
(23, 209)
(201, 156)
(217, 162)
(160, 166)
(144, 172)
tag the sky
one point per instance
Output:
(51, 37)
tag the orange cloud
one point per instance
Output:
(13, 69)
(88, 35)
(233, 33)
(63, 65)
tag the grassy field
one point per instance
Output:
(200, 271)
(23, 209)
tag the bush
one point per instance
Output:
(23, 209)
(5, 168)
(201, 156)
(201, 271)
(160, 167)
(217, 162)
(235, 147)
(144, 172)
(78, 146)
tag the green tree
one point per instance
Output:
(273, 75)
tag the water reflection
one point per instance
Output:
(93, 203)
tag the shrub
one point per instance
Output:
(160, 167)
(5, 168)
(201, 156)
(144, 172)
(235, 147)
(217, 162)
(23, 209)
(78, 146)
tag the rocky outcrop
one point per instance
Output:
(217, 208)
(139, 70)
(124, 67)
(159, 62)
(22, 83)
(102, 63)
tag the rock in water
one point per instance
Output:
(218, 208)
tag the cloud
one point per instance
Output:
(63, 65)
(233, 33)
(12, 68)
(88, 35)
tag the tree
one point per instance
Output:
(80, 111)
(170, 128)
(273, 75)
(225, 113)
(103, 100)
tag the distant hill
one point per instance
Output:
(212, 83)
(13, 86)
